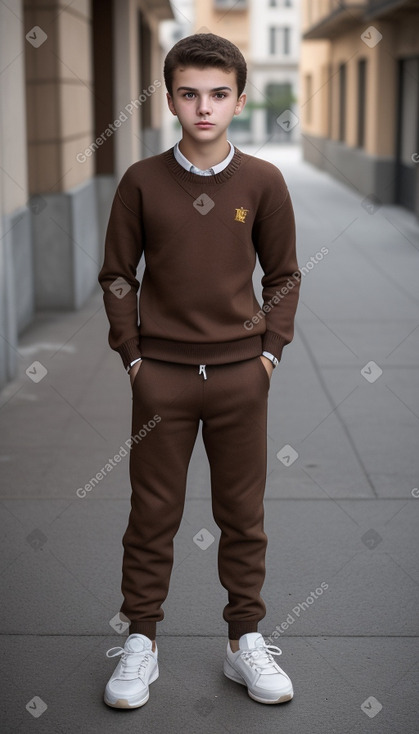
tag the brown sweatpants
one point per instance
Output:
(232, 405)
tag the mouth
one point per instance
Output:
(204, 124)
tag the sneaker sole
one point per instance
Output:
(229, 672)
(124, 703)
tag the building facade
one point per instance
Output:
(274, 70)
(229, 19)
(267, 32)
(82, 89)
(360, 95)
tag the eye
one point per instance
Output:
(220, 95)
(189, 95)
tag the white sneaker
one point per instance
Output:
(128, 686)
(253, 666)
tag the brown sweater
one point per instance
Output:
(200, 236)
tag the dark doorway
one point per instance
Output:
(362, 95)
(103, 76)
(279, 98)
(408, 133)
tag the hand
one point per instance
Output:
(133, 371)
(267, 365)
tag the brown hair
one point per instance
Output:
(203, 50)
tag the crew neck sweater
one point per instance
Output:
(200, 236)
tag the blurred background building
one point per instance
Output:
(360, 100)
(83, 97)
(273, 69)
(81, 89)
(268, 35)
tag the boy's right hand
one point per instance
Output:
(133, 371)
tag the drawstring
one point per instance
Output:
(202, 371)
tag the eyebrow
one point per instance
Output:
(215, 89)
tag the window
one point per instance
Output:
(342, 101)
(330, 100)
(279, 97)
(408, 109)
(362, 67)
(309, 95)
(407, 132)
(279, 40)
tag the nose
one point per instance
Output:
(204, 106)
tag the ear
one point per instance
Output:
(170, 104)
(240, 104)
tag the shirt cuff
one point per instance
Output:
(131, 364)
(271, 357)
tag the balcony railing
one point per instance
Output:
(228, 5)
(382, 4)
(331, 17)
(381, 7)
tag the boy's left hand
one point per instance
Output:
(268, 365)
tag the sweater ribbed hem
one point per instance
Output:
(129, 351)
(214, 353)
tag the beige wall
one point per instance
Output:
(313, 103)
(126, 74)
(156, 63)
(60, 89)
(233, 24)
(59, 95)
(13, 171)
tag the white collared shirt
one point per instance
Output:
(188, 166)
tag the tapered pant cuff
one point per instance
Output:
(143, 628)
(237, 629)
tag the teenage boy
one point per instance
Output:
(204, 350)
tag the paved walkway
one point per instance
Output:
(341, 506)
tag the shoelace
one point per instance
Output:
(261, 658)
(130, 669)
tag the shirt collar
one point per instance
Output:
(188, 166)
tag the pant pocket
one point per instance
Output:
(262, 368)
(140, 369)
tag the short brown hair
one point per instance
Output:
(203, 50)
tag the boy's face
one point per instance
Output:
(208, 94)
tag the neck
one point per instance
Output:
(204, 155)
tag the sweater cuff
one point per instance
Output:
(274, 343)
(129, 351)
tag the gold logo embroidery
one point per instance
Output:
(241, 215)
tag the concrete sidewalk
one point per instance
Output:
(341, 506)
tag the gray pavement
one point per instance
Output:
(341, 507)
